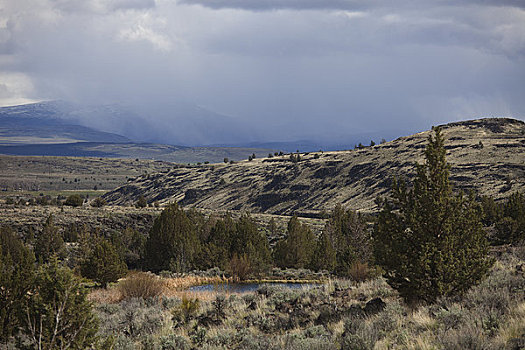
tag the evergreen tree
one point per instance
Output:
(58, 314)
(16, 279)
(429, 240)
(219, 242)
(104, 264)
(248, 241)
(324, 257)
(172, 243)
(350, 239)
(511, 228)
(298, 248)
(49, 242)
(130, 246)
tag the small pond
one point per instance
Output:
(247, 287)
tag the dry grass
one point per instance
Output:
(105, 296)
(182, 283)
(141, 285)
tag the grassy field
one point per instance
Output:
(54, 175)
(339, 314)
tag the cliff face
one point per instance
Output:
(486, 155)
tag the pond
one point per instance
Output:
(247, 287)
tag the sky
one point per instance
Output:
(285, 69)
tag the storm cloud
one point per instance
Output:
(285, 70)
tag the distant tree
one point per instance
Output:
(104, 264)
(297, 249)
(383, 141)
(372, 143)
(49, 242)
(75, 200)
(172, 243)
(141, 202)
(324, 257)
(428, 239)
(98, 202)
(219, 242)
(16, 280)
(247, 240)
(58, 314)
(130, 246)
(351, 240)
(226, 160)
(270, 155)
(510, 227)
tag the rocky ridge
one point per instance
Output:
(486, 155)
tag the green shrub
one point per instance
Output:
(75, 200)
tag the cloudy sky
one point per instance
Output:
(289, 68)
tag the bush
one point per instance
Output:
(141, 202)
(98, 202)
(75, 200)
(141, 285)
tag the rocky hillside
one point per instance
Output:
(487, 155)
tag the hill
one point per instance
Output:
(486, 155)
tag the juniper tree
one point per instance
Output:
(104, 264)
(324, 257)
(298, 248)
(350, 239)
(172, 242)
(49, 242)
(16, 279)
(58, 314)
(429, 239)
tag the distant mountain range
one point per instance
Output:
(59, 128)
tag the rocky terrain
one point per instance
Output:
(486, 155)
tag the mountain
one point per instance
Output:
(45, 123)
(58, 128)
(178, 123)
(486, 155)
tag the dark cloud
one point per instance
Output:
(340, 68)
(348, 5)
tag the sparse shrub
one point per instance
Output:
(9, 201)
(185, 311)
(141, 285)
(240, 267)
(359, 271)
(98, 202)
(174, 342)
(141, 202)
